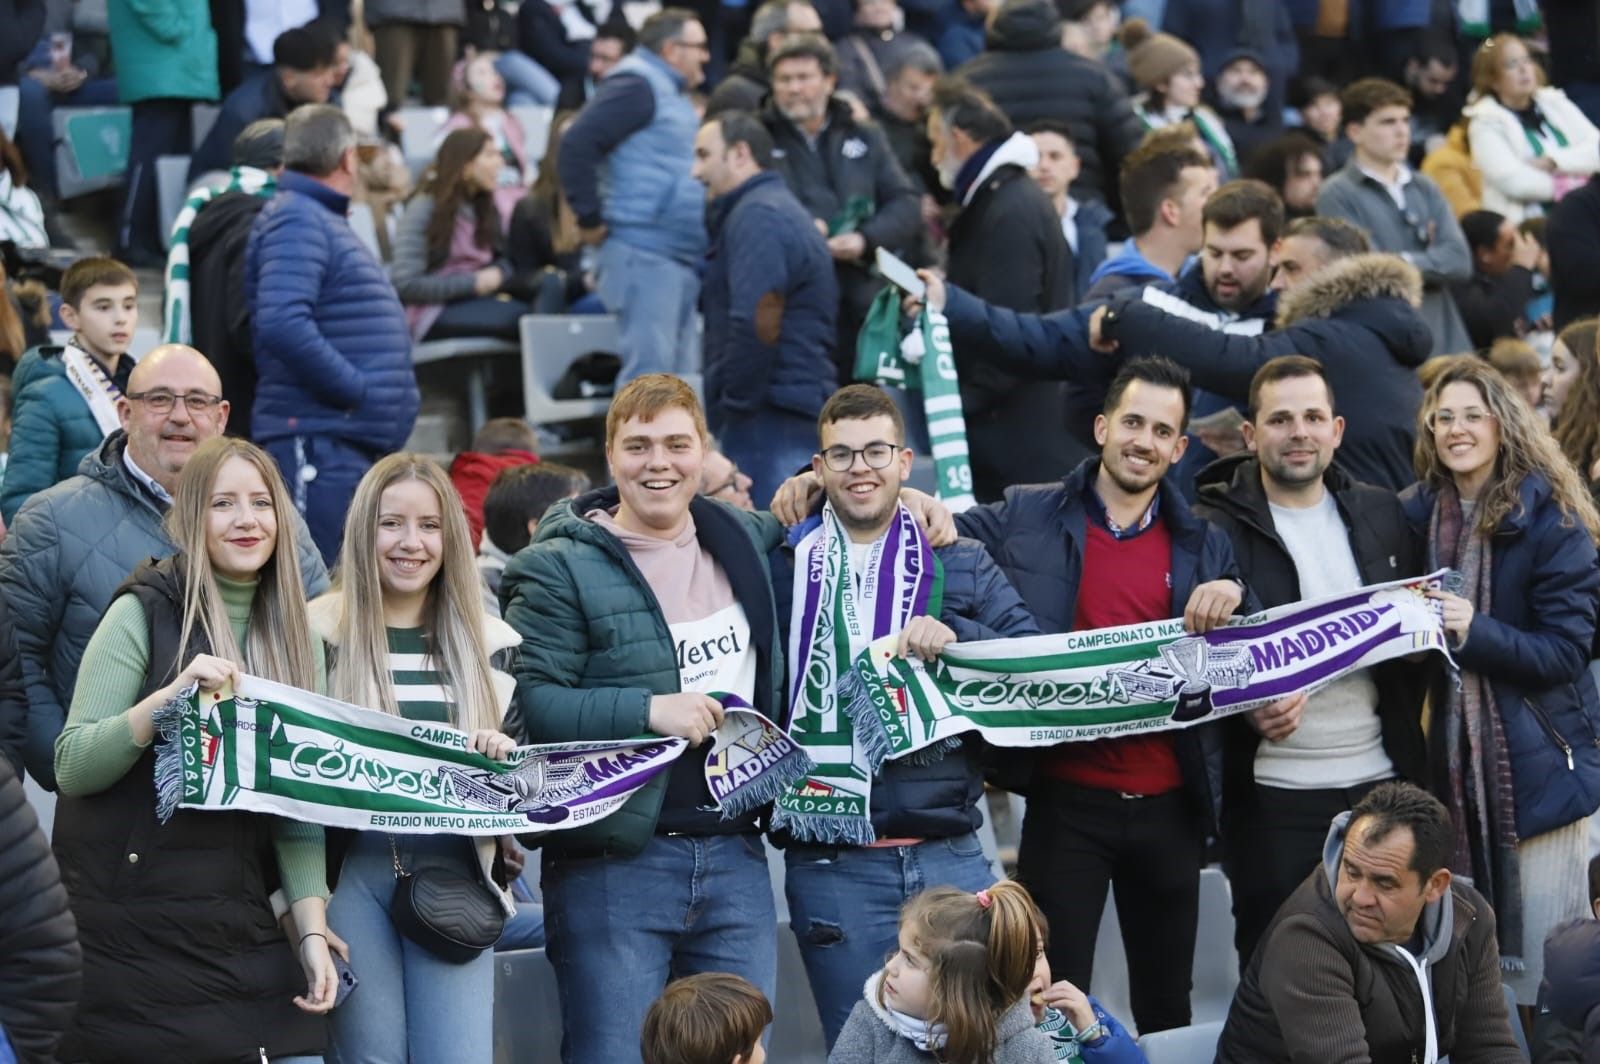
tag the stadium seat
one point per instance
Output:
(471, 351)
(91, 147)
(1183, 1045)
(418, 135)
(550, 344)
(535, 123)
(202, 116)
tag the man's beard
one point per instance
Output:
(803, 113)
(1240, 101)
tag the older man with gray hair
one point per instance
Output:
(72, 546)
(335, 389)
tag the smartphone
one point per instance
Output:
(60, 50)
(898, 273)
(347, 979)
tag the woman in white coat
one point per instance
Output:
(1529, 141)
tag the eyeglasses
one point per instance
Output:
(877, 455)
(162, 402)
(1445, 420)
(699, 46)
(728, 485)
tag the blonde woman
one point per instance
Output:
(1531, 143)
(1513, 749)
(408, 636)
(183, 956)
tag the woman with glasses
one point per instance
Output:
(1514, 750)
(1530, 142)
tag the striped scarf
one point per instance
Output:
(176, 310)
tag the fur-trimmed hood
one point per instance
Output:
(1359, 277)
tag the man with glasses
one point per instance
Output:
(73, 545)
(625, 168)
(721, 478)
(845, 896)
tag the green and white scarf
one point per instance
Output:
(176, 309)
(924, 363)
(834, 622)
(270, 748)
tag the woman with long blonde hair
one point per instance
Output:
(175, 917)
(409, 636)
(1572, 396)
(1513, 751)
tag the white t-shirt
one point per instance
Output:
(1339, 742)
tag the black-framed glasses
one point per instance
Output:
(161, 401)
(727, 485)
(876, 454)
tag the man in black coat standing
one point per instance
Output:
(1006, 245)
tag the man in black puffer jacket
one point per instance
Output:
(40, 964)
(1031, 77)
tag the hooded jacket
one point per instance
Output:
(1502, 151)
(1313, 993)
(1124, 270)
(1031, 77)
(68, 551)
(1571, 989)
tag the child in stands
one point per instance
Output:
(1078, 1027)
(710, 1018)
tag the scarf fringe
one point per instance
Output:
(824, 830)
(769, 785)
(855, 702)
(169, 754)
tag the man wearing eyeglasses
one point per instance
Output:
(73, 545)
(845, 897)
(624, 168)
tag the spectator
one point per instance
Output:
(1083, 224)
(613, 41)
(1167, 72)
(1531, 143)
(1244, 100)
(962, 35)
(166, 62)
(1030, 77)
(54, 76)
(1501, 504)
(563, 38)
(1224, 30)
(843, 172)
(648, 214)
(543, 241)
(73, 545)
(1519, 363)
(903, 116)
(748, 82)
(413, 641)
(708, 1017)
(333, 356)
(66, 397)
(1430, 77)
(1165, 185)
(516, 503)
(416, 37)
(205, 304)
(228, 602)
(873, 46)
(770, 305)
(1089, 28)
(1573, 31)
(1566, 1026)
(1321, 115)
(478, 94)
(1450, 167)
(303, 72)
(1382, 912)
(246, 31)
(450, 265)
(1573, 241)
(1292, 165)
(503, 443)
(41, 963)
(721, 479)
(604, 666)
(1303, 529)
(1007, 247)
(1494, 302)
(1403, 211)
(1570, 396)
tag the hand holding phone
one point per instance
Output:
(346, 980)
(897, 272)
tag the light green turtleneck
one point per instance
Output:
(96, 748)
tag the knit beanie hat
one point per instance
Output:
(1154, 57)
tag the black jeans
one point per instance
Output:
(1270, 847)
(1076, 841)
(160, 127)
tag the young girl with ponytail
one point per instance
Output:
(956, 990)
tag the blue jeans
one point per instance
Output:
(844, 907)
(768, 446)
(527, 83)
(36, 134)
(621, 928)
(654, 299)
(524, 930)
(322, 474)
(409, 1004)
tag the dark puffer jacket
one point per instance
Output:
(40, 963)
(332, 349)
(13, 694)
(68, 551)
(1534, 650)
(1031, 77)
(596, 648)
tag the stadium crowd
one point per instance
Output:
(937, 321)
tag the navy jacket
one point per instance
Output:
(1534, 649)
(332, 348)
(937, 800)
(1037, 534)
(770, 300)
(260, 96)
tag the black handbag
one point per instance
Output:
(451, 915)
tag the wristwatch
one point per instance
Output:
(1092, 1033)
